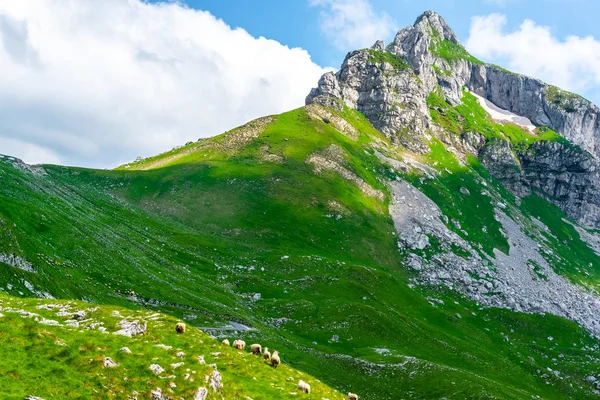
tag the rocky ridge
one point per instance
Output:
(390, 86)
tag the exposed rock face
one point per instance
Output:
(521, 280)
(414, 44)
(499, 159)
(374, 89)
(572, 116)
(394, 100)
(391, 97)
(570, 178)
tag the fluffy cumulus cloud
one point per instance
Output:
(572, 63)
(352, 24)
(96, 83)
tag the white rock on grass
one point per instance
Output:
(109, 363)
(215, 381)
(49, 322)
(201, 394)
(125, 350)
(79, 315)
(157, 369)
(131, 328)
(157, 395)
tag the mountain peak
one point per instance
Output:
(415, 43)
(431, 23)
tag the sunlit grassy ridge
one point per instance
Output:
(199, 231)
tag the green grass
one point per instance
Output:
(67, 362)
(441, 71)
(573, 257)
(562, 98)
(479, 222)
(451, 52)
(379, 57)
(198, 231)
(471, 117)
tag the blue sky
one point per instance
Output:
(296, 24)
(97, 83)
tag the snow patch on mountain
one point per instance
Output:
(501, 115)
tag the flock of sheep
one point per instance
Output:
(257, 349)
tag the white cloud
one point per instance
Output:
(28, 151)
(352, 24)
(572, 63)
(97, 83)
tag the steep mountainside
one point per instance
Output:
(392, 86)
(421, 229)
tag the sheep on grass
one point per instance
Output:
(267, 354)
(239, 344)
(256, 348)
(303, 386)
(180, 327)
(225, 342)
(275, 360)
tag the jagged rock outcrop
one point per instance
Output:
(384, 89)
(498, 157)
(567, 176)
(393, 96)
(572, 116)
(415, 44)
(422, 47)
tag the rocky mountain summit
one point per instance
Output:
(391, 87)
(533, 137)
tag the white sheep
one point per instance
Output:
(352, 396)
(275, 360)
(225, 342)
(303, 386)
(239, 344)
(180, 327)
(256, 348)
(267, 354)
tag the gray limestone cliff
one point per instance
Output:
(390, 86)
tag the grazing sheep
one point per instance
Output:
(256, 349)
(267, 354)
(225, 342)
(352, 396)
(275, 360)
(180, 327)
(239, 344)
(303, 386)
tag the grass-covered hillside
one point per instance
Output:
(74, 350)
(281, 225)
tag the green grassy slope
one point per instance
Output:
(199, 231)
(64, 361)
